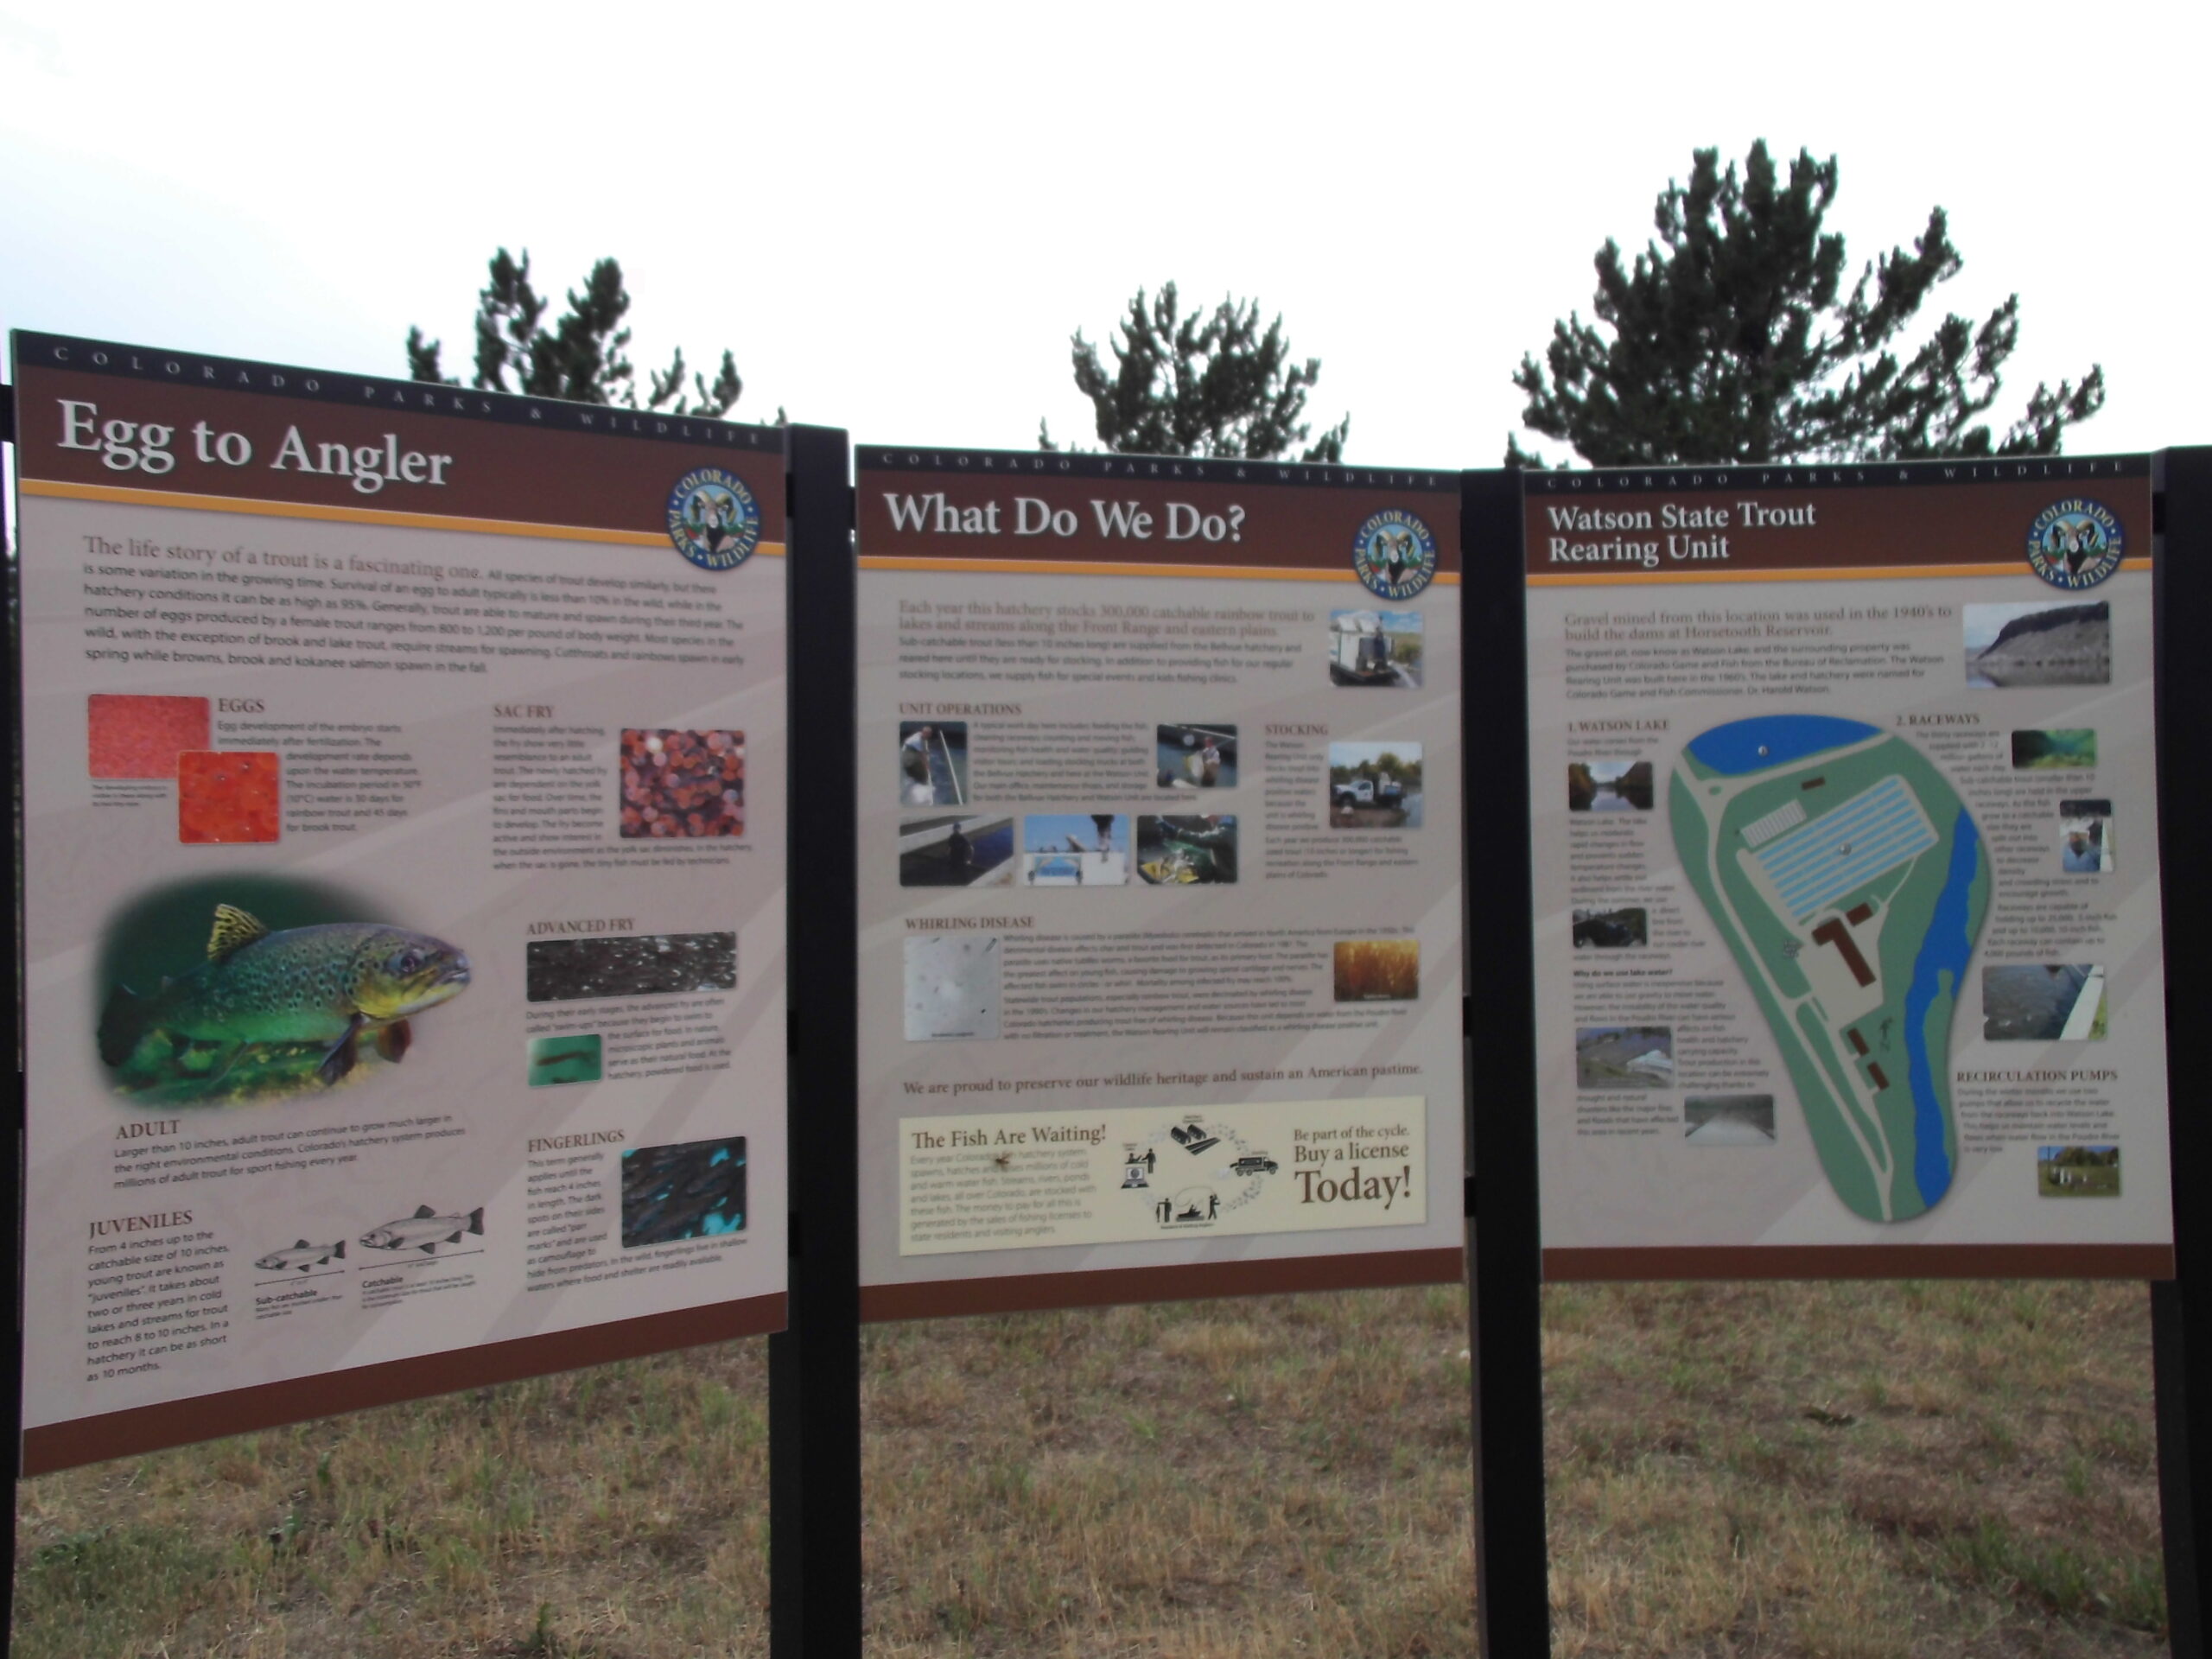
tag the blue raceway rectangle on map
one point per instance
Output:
(1885, 821)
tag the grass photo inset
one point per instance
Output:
(564, 1059)
(1608, 785)
(1376, 648)
(227, 796)
(933, 763)
(2038, 642)
(1607, 930)
(637, 965)
(1195, 757)
(2085, 836)
(128, 736)
(694, 1190)
(2044, 1002)
(952, 987)
(1186, 851)
(1376, 970)
(682, 783)
(957, 852)
(2077, 1172)
(2073, 748)
(1625, 1057)
(1728, 1120)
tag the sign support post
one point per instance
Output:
(1504, 1255)
(2181, 1321)
(11, 1218)
(813, 1364)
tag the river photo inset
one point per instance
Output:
(1609, 785)
(1607, 929)
(2039, 642)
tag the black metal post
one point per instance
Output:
(814, 1365)
(1504, 1243)
(2180, 1316)
(11, 1030)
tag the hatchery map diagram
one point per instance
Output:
(1850, 884)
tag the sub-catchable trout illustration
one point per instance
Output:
(326, 985)
(302, 1255)
(424, 1230)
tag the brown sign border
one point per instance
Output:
(1617, 1263)
(1033, 1293)
(331, 1393)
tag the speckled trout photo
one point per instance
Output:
(227, 992)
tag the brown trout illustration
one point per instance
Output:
(326, 984)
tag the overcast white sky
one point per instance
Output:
(1419, 190)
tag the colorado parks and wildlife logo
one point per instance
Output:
(2075, 543)
(1394, 555)
(713, 518)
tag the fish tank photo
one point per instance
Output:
(233, 989)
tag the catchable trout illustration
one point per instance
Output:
(329, 984)
(303, 1255)
(424, 1230)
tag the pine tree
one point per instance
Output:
(1731, 339)
(1191, 386)
(582, 358)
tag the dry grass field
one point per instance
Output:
(1849, 1471)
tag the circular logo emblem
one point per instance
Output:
(2075, 543)
(713, 518)
(1394, 555)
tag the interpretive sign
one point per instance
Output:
(404, 851)
(1159, 879)
(1846, 871)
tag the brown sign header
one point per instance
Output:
(1708, 523)
(120, 417)
(1052, 509)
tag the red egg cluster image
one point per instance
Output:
(227, 796)
(142, 736)
(682, 783)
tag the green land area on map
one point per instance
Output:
(1850, 885)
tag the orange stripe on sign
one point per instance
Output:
(356, 515)
(1862, 573)
(1083, 567)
